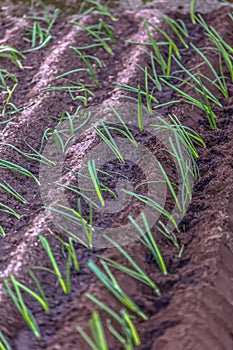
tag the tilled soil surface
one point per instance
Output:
(195, 308)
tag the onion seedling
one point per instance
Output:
(2, 231)
(6, 209)
(74, 90)
(37, 33)
(185, 170)
(97, 7)
(131, 337)
(188, 136)
(140, 107)
(196, 102)
(155, 81)
(168, 233)
(109, 140)
(179, 29)
(166, 66)
(75, 217)
(37, 156)
(20, 304)
(12, 54)
(130, 334)
(40, 298)
(126, 132)
(79, 191)
(11, 166)
(223, 47)
(220, 81)
(207, 108)
(86, 59)
(192, 11)
(139, 91)
(113, 286)
(4, 345)
(155, 78)
(148, 240)
(6, 187)
(99, 342)
(7, 102)
(69, 247)
(151, 203)
(95, 181)
(4, 75)
(100, 33)
(202, 89)
(63, 137)
(65, 284)
(136, 272)
(155, 46)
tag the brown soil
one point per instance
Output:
(196, 306)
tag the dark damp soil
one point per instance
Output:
(195, 309)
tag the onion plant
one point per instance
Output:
(37, 35)
(9, 189)
(168, 233)
(94, 6)
(4, 345)
(220, 81)
(80, 191)
(223, 47)
(199, 88)
(196, 101)
(172, 47)
(2, 231)
(17, 298)
(113, 286)
(192, 11)
(87, 60)
(12, 54)
(154, 44)
(148, 239)
(5, 75)
(184, 168)
(189, 137)
(7, 103)
(37, 156)
(153, 204)
(69, 248)
(153, 78)
(136, 272)
(120, 126)
(95, 180)
(66, 129)
(77, 91)
(130, 335)
(178, 27)
(5, 164)
(64, 283)
(108, 139)
(99, 341)
(75, 217)
(140, 91)
(8, 210)
(101, 33)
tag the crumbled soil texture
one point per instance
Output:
(195, 308)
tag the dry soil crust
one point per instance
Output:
(196, 306)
